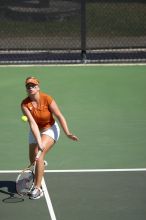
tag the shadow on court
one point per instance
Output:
(9, 185)
(13, 206)
(8, 188)
(80, 196)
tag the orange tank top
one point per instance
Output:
(42, 114)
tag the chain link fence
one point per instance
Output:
(68, 31)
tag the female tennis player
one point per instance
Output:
(41, 111)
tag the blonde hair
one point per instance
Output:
(32, 79)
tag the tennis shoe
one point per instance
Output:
(36, 193)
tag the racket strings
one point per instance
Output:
(24, 182)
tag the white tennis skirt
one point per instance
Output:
(53, 132)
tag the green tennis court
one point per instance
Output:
(103, 175)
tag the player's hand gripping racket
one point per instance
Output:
(25, 179)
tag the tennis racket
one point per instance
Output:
(25, 179)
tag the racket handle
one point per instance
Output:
(38, 155)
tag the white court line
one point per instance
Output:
(96, 170)
(46, 193)
(48, 200)
(82, 170)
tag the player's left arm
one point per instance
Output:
(56, 111)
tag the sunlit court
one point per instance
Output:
(73, 110)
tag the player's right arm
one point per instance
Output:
(33, 126)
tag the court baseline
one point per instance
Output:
(46, 193)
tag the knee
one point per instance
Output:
(40, 160)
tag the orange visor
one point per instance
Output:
(32, 80)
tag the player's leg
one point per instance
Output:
(37, 192)
(33, 148)
(48, 143)
(49, 138)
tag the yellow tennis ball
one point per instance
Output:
(24, 118)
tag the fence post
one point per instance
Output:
(83, 31)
